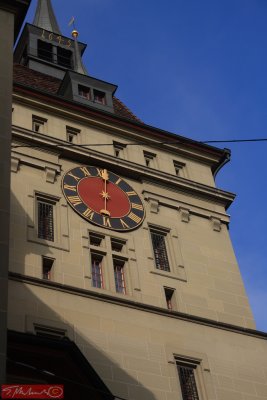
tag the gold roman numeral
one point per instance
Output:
(69, 187)
(134, 217)
(137, 206)
(131, 193)
(85, 171)
(106, 221)
(99, 172)
(118, 181)
(75, 200)
(88, 213)
(74, 176)
(124, 224)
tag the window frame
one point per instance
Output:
(192, 365)
(120, 264)
(170, 298)
(39, 122)
(61, 226)
(178, 168)
(150, 159)
(72, 132)
(88, 91)
(99, 94)
(97, 257)
(55, 53)
(157, 259)
(47, 268)
(119, 149)
(41, 223)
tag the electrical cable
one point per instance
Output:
(141, 143)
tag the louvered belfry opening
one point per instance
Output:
(160, 251)
(45, 221)
(188, 382)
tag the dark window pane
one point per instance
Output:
(45, 221)
(84, 91)
(64, 57)
(188, 383)
(45, 51)
(97, 276)
(160, 251)
(99, 97)
(119, 279)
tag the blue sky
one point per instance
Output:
(195, 68)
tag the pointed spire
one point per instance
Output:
(78, 64)
(45, 17)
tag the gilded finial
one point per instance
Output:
(75, 33)
(78, 64)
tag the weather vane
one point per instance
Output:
(74, 32)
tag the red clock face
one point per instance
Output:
(103, 198)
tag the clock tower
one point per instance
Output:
(121, 265)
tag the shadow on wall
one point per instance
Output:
(49, 314)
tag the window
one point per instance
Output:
(64, 57)
(117, 244)
(99, 97)
(71, 134)
(118, 149)
(97, 273)
(45, 51)
(38, 124)
(149, 159)
(178, 166)
(84, 92)
(169, 296)
(119, 276)
(45, 220)
(95, 239)
(187, 378)
(49, 332)
(47, 268)
(160, 251)
(54, 54)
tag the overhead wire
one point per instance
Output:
(140, 143)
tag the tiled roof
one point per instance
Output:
(37, 80)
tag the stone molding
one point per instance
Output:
(128, 168)
(51, 170)
(135, 305)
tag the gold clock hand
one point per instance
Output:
(105, 176)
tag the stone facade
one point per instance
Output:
(194, 312)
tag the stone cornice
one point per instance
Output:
(134, 131)
(123, 167)
(136, 305)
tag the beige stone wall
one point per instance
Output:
(134, 351)
(133, 345)
(204, 273)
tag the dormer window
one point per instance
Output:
(45, 51)
(99, 97)
(84, 92)
(64, 57)
(54, 54)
